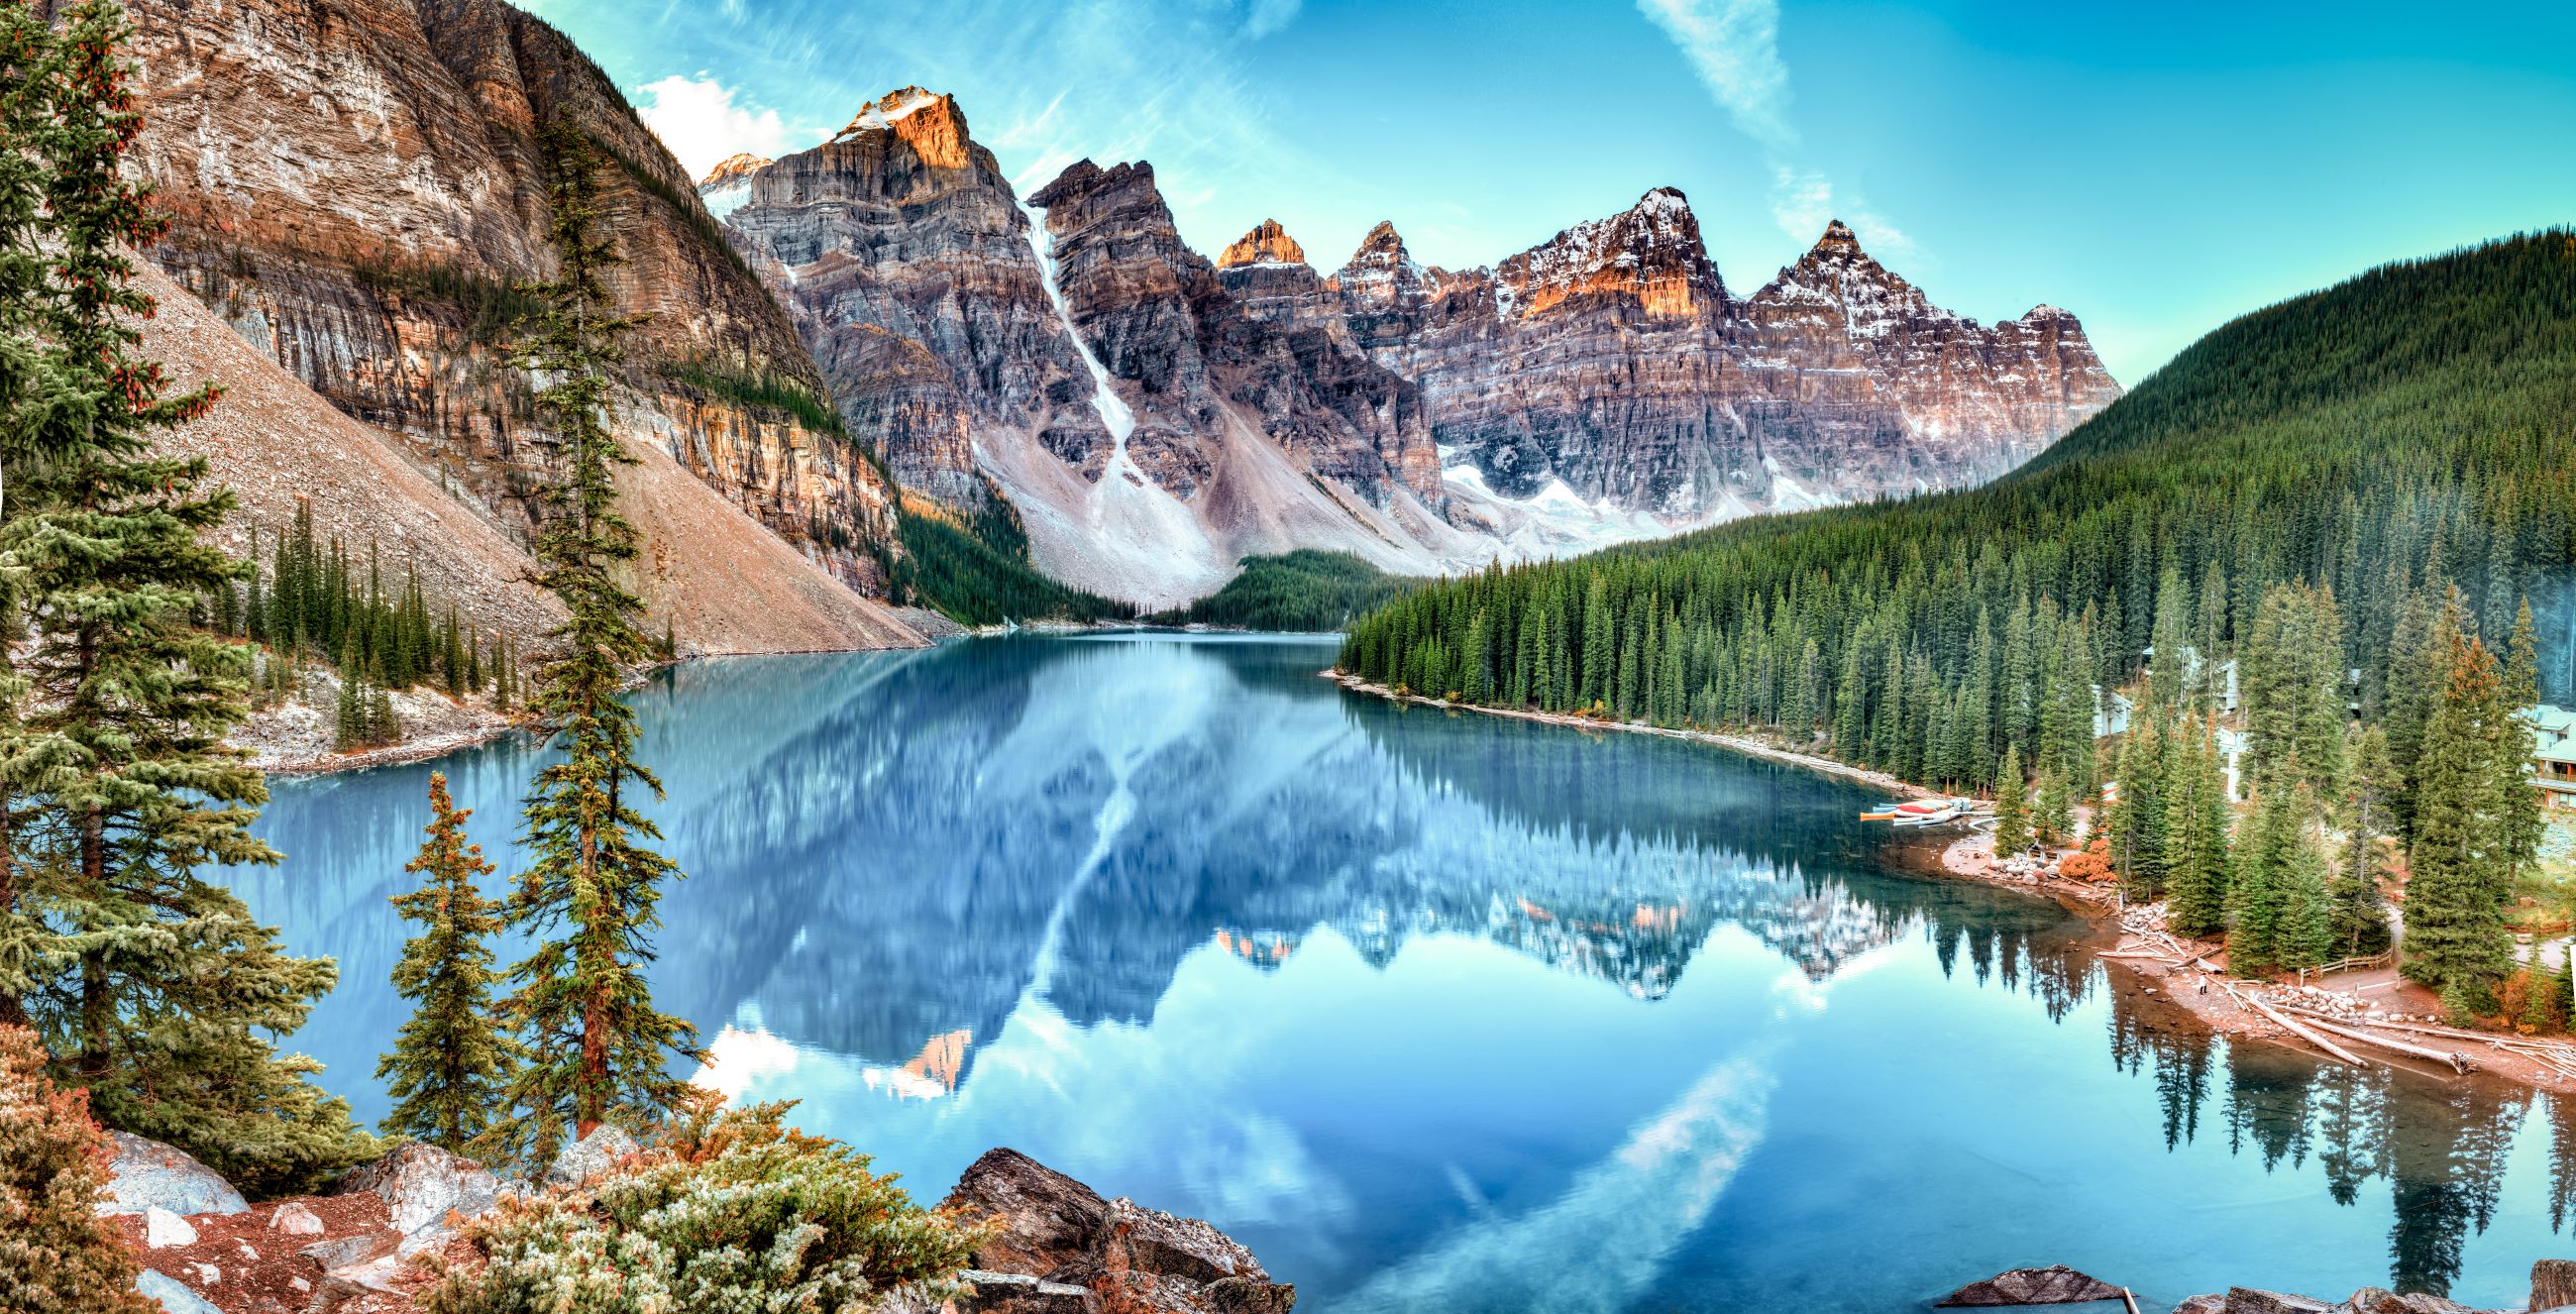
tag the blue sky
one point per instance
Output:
(2157, 170)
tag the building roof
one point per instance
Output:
(2553, 732)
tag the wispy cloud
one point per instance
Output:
(1734, 47)
(699, 119)
(1268, 16)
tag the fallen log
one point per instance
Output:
(2457, 1063)
(2293, 1027)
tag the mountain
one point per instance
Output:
(355, 192)
(1612, 361)
(1150, 416)
(2354, 455)
(1143, 431)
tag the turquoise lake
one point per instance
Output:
(1439, 1011)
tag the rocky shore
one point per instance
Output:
(1057, 1247)
(2553, 1291)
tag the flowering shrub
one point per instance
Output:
(728, 1213)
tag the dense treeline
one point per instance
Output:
(2341, 485)
(975, 569)
(303, 601)
(1303, 592)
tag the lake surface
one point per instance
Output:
(1439, 1011)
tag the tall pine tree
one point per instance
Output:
(2456, 937)
(450, 1063)
(149, 985)
(596, 1046)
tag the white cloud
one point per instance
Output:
(1803, 202)
(1734, 46)
(698, 119)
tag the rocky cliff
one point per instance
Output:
(1610, 366)
(1088, 368)
(356, 190)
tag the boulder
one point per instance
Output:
(426, 1190)
(145, 1174)
(2054, 1285)
(172, 1294)
(1043, 1220)
(294, 1219)
(2553, 1283)
(163, 1229)
(590, 1156)
(1118, 1254)
(2202, 1305)
(2367, 1298)
(2249, 1300)
(1018, 1293)
(350, 1251)
(2413, 1302)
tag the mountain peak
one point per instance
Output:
(1838, 239)
(1266, 244)
(733, 169)
(894, 106)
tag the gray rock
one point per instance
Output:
(173, 1295)
(2249, 1300)
(590, 1156)
(987, 1292)
(2367, 1298)
(146, 1174)
(349, 1251)
(1187, 1248)
(2202, 1305)
(163, 1229)
(293, 1219)
(1236, 1295)
(423, 1188)
(2415, 1302)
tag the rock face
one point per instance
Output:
(1089, 368)
(426, 1191)
(147, 1175)
(1057, 1245)
(355, 189)
(1613, 359)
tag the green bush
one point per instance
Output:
(730, 1212)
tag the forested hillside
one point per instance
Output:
(2303, 489)
(1305, 590)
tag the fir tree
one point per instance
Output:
(2197, 817)
(155, 989)
(2360, 912)
(2523, 821)
(2456, 937)
(597, 1046)
(2054, 817)
(2012, 805)
(450, 1064)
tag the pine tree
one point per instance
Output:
(450, 1063)
(154, 988)
(2456, 936)
(2523, 821)
(2361, 913)
(27, 377)
(597, 1046)
(2197, 817)
(2054, 817)
(2012, 805)
(57, 1254)
(2260, 888)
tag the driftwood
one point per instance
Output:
(2293, 1026)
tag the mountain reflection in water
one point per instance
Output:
(1439, 1011)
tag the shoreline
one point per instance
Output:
(2157, 979)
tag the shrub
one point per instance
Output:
(728, 1213)
(55, 1254)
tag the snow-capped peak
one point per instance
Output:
(1266, 244)
(882, 114)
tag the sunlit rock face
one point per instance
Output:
(355, 187)
(1612, 358)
